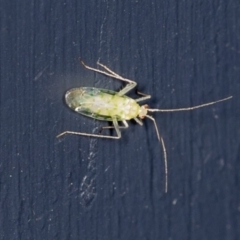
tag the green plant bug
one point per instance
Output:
(108, 105)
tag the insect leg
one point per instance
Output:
(145, 97)
(108, 69)
(115, 125)
(138, 121)
(127, 88)
(131, 84)
(164, 152)
(124, 123)
(96, 70)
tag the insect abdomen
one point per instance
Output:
(101, 104)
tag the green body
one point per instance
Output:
(102, 104)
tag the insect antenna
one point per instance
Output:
(161, 139)
(189, 108)
(164, 151)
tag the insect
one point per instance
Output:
(108, 105)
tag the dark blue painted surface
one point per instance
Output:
(183, 53)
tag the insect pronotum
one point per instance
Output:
(108, 105)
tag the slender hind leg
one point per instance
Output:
(115, 125)
(131, 84)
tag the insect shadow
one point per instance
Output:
(115, 107)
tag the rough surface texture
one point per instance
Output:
(183, 53)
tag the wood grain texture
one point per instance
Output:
(183, 53)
